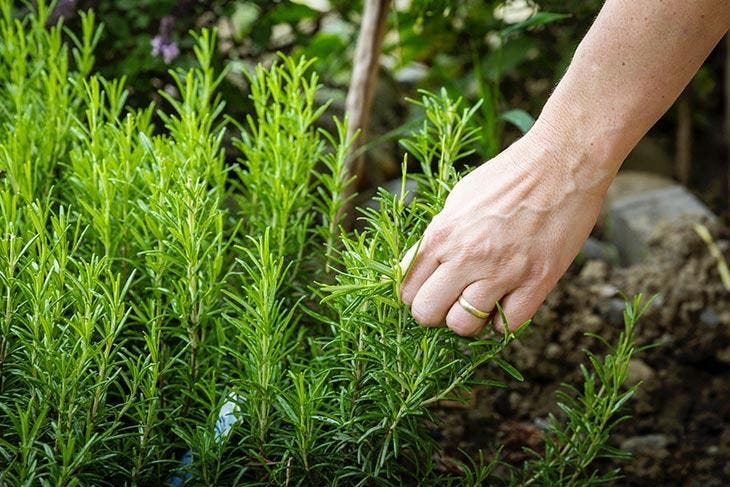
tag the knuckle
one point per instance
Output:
(406, 294)
(438, 231)
(472, 248)
(518, 266)
(542, 271)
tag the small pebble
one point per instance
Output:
(542, 423)
(515, 400)
(594, 270)
(592, 323)
(604, 290)
(638, 371)
(553, 351)
(645, 445)
(614, 311)
(709, 317)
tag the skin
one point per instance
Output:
(510, 229)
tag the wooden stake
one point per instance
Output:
(360, 95)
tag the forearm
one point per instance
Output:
(634, 62)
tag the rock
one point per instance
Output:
(591, 323)
(543, 424)
(709, 317)
(639, 203)
(514, 399)
(612, 311)
(658, 301)
(595, 250)
(594, 270)
(553, 351)
(652, 445)
(631, 183)
(638, 371)
(604, 290)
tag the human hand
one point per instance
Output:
(507, 232)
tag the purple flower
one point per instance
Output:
(163, 44)
(170, 52)
(168, 49)
(157, 45)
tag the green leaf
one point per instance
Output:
(519, 118)
(537, 20)
(291, 13)
(507, 367)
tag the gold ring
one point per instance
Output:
(475, 312)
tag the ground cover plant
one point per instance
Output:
(167, 317)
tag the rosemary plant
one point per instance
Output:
(168, 317)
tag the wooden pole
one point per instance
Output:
(360, 95)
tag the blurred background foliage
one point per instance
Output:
(511, 54)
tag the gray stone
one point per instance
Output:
(709, 317)
(592, 323)
(638, 204)
(612, 311)
(594, 249)
(605, 291)
(638, 371)
(553, 351)
(652, 445)
(543, 424)
(594, 270)
(514, 399)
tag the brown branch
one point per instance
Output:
(360, 95)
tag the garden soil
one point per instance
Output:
(679, 431)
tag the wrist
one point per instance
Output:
(582, 149)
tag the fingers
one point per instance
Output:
(407, 259)
(518, 307)
(436, 296)
(420, 269)
(482, 295)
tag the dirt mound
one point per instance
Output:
(680, 428)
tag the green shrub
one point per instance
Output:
(145, 285)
